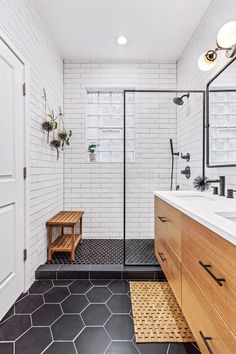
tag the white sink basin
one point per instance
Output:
(227, 215)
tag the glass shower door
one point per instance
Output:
(150, 121)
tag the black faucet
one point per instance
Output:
(221, 181)
(230, 193)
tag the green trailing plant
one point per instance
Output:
(65, 138)
(92, 148)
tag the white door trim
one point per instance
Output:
(4, 36)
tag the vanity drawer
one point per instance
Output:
(170, 265)
(201, 316)
(170, 218)
(202, 247)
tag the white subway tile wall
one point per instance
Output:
(189, 116)
(21, 21)
(97, 188)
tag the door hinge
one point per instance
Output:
(24, 89)
(25, 172)
(25, 254)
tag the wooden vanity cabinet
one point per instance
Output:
(200, 268)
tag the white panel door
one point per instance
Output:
(12, 205)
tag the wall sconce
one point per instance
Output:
(226, 40)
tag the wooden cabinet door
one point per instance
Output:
(170, 265)
(209, 258)
(170, 219)
(204, 320)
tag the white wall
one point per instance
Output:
(189, 126)
(22, 23)
(97, 188)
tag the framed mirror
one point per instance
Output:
(221, 118)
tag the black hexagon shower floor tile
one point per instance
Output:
(109, 252)
(77, 317)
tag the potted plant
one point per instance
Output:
(92, 152)
(56, 143)
(65, 137)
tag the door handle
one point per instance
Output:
(207, 267)
(205, 340)
(161, 256)
(162, 218)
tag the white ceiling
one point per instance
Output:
(156, 29)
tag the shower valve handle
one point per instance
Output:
(186, 156)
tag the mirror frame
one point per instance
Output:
(207, 126)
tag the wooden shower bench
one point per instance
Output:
(64, 242)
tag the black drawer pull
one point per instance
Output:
(161, 256)
(205, 340)
(162, 218)
(207, 269)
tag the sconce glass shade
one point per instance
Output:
(226, 36)
(204, 63)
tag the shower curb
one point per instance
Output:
(94, 271)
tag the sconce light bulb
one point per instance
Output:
(207, 60)
(226, 36)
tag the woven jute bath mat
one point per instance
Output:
(157, 315)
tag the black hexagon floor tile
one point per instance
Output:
(8, 314)
(67, 327)
(99, 294)
(46, 315)
(119, 286)
(100, 282)
(6, 348)
(96, 315)
(120, 347)
(74, 304)
(15, 326)
(109, 306)
(22, 295)
(80, 286)
(120, 327)
(183, 348)
(28, 304)
(40, 287)
(152, 348)
(61, 348)
(119, 304)
(62, 282)
(92, 340)
(56, 295)
(33, 341)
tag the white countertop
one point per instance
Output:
(202, 206)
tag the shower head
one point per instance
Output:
(179, 100)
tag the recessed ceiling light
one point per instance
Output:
(122, 40)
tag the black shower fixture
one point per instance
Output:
(172, 163)
(186, 156)
(179, 100)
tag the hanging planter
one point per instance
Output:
(49, 124)
(56, 143)
(55, 124)
(48, 127)
(65, 138)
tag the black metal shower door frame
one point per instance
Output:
(203, 92)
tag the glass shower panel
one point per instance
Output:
(150, 122)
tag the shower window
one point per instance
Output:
(105, 127)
